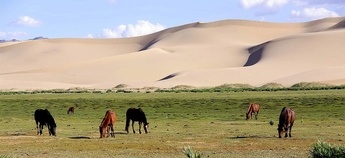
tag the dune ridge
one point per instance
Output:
(195, 54)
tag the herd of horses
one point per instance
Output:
(44, 118)
(286, 118)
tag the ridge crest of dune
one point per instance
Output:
(340, 25)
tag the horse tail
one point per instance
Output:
(250, 108)
(127, 120)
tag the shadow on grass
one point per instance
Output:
(18, 134)
(251, 136)
(120, 133)
(79, 137)
(85, 137)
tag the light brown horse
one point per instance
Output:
(70, 110)
(286, 120)
(253, 108)
(107, 124)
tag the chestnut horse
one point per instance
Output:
(286, 120)
(253, 108)
(44, 118)
(70, 110)
(136, 115)
(107, 124)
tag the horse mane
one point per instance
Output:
(106, 116)
(50, 118)
(282, 117)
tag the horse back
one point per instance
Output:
(256, 107)
(44, 116)
(109, 118)
(135, 114)
(253, 107)
(287, 117)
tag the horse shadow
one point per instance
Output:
(250, 136)
(86, 137)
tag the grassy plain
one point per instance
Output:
(211, 123)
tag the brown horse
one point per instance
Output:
(253, 108)
(107, 124)
(70, 110)
(286, 120)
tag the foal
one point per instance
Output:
(253, 108)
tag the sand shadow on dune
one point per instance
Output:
(339, 25)
(169, 76)
(149, 44)
(255, 54)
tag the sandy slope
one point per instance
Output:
(197, 54)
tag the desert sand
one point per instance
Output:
(196, 54)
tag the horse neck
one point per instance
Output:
(104, 121)
(144, 118)
(145, 121)
(51, 121)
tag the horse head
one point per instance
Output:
(52, 129)
(281, 129)
(247, 116)
(146, 127)
(101, 132)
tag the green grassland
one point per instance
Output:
(212, 123)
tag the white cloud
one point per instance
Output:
(142, 27)
(314, 13)
(27, 21)
(247, 4)
(318, 2)
(89, 36)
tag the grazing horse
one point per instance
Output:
(136, 115)
(286, 120)
(253, 108)
(43, 117)
(70, 110)
(107, 124)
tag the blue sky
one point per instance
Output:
(26, 19)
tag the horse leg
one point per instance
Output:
(290, 131)
(286, 131)
(38, 130)
(112, 131)
(140, 127)
(133, 126)
(108, 130)
(41, 128)
(50, 133)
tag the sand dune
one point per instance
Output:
(196, 54)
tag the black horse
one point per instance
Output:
(136, 115)
(43, 117)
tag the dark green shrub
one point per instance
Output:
(190, 153)
(325, 150)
